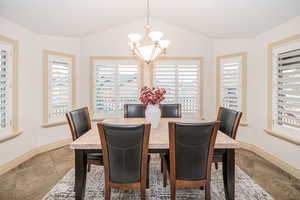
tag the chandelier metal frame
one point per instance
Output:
(150, 46)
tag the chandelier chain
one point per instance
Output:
(148, 12)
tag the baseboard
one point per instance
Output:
(250, 147)
(26, 156)
(272, 159)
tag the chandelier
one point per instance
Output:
(149, 47)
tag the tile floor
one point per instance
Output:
(34, 178)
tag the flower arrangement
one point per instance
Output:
(152, 96)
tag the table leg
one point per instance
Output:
(229, 173)
(80, 173)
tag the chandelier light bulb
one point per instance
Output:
(155, 35)
(134, 37)
(164, 43)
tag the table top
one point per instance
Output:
(159, 137)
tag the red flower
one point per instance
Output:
(152, 95)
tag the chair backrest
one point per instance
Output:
(229, 121)
(191, 150)
(170, 110)
(134, 111)
(79, 122)
(125, 151)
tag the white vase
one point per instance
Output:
(153, 114)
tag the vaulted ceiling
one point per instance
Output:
(214, 18)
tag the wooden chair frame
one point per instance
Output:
(74, 137)
(174, 183)
(235, 128)
(179, 107)
(144, 165)
(126, 109)
(236, 124)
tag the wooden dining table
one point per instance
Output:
(158, 143)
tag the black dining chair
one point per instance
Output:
(229, 123)
(126, 160)
(80, 123)
(191, 149)
(134, 110)
(170, 110)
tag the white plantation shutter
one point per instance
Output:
(117, 82)
(181, 79)
(286, 87)
(59, 87)
(166, 77)
(5, 86)
(231, 84)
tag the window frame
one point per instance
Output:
(94, 59)
(13, 130)
(200, 60)
(46, 54)
(243, 81)
(282, 134)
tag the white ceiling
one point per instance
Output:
(215, 18)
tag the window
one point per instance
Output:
(59, 86)
(231, 82)
(5, 83)
(285, 88)
(116, 81)
(182, 80)
(8, 87)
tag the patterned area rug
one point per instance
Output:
(246, 188)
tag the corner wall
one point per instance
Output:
(257, 89)
(30, 89)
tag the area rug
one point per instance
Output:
(246, 188)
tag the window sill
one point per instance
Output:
(52, 124)
(10, 136)
(283, 137)
(98, 119)
(243, 123)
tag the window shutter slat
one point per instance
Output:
(59, 89)
(231, 83)
(116, 85)
(182, 84)
(287, 90)
(4, 88)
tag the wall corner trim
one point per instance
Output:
(283, 137)
(36, 151)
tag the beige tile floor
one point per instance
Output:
(34, 178)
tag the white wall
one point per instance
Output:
(257, 89)
(25, 142)
(114, 42)
(30, 79)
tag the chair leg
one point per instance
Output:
(216, 165)
(107, 192)
(173, 192)
(164, 176)
(147, 181)
(143, 194)
(161, 164)
(89, 167)
(207, 192)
